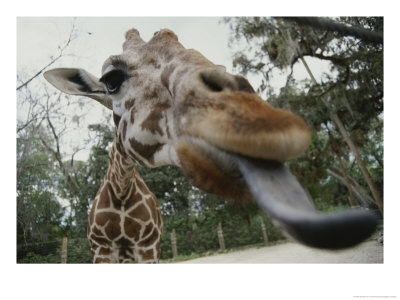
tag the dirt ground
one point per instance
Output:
(368, 252)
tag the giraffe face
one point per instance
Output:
(173, 106)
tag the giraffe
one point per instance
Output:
(171, 105)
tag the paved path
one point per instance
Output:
(368, 252)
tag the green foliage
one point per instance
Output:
(33, 258)
(356, 67)
(170, 187)
(197, 235)
(39, 214)
(353, 89)
(79, 251)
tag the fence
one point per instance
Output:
(182, 239)
(74, 250)
(190, 237)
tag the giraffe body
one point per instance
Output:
(125, 222)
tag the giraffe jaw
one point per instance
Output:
(216, 170)
(211, 169)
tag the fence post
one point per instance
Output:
(264, 231)
(173, 242)
(64, 250)
(221, 237)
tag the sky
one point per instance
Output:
(96, 38)
(38, 38)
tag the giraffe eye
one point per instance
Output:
(155, 33)
(113, 80)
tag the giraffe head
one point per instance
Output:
(171, 105)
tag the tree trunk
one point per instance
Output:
(335, 149)
(359, 193)
(349, 142)
(360, 162)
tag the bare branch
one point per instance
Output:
(35, 112)
(57, 153)
(52, 61)
(357, 190)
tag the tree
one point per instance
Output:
(39, 214)
(47, 173)
(345, 101)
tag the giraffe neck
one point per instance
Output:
(125, 222)
(121, 173)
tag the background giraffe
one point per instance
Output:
(173, 106)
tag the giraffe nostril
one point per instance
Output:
(217, 81)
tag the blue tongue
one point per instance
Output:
(281, 196)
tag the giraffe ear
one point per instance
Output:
(78, 82)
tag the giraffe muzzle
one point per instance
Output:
(233, 144)
(224, 111)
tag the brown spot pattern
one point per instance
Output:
(140, 212)
(133, 199)
(129, 103)
(97, 231)
(150, 93)
(91, 215)
(104, 251)
(111, 222)
(132, 228)
(143, 188)
(165, 75)
(147, 229)
(152, 203)
(104, 201)
(146, 151)
(150, 240)
(116, 119)
(152, 122)
(99, 260)
(147, 255)
(125, 248)
(136, 158)
(99, 240)
(118, 145)
(153, 62)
